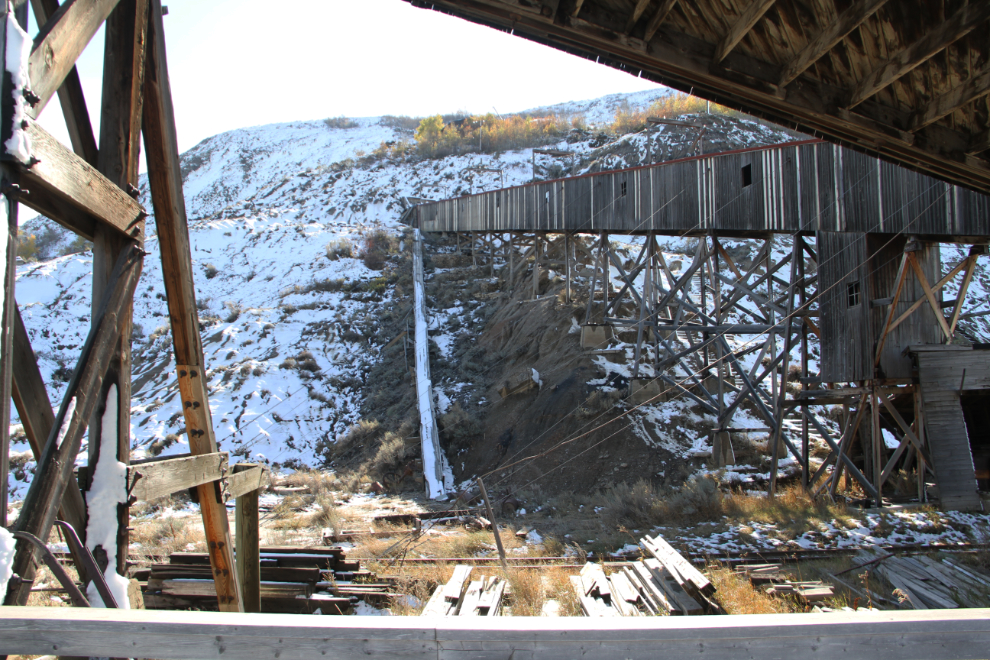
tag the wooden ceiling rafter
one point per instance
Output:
(681, 50)
(741, 27)
(663, 11)
(826, 40)
(944, 104)
(964, 21)
(638, 10)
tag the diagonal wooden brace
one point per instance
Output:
(54, 471)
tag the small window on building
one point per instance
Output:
(498, 202)
(852, 294)
(747, 175)
(622, 189)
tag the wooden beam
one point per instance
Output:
(8, 310)
(165, 179)
(965, 20)
(70, 96)
(946, 103)
(638, 10)
(62, 446)
(70, 182)
(898, 287)
(930, 295)
(663, 11)
(577, 8)
(149, 481)
(248, 539)
(246, 479)
(963, 288)
(826, 40)
(35, 410)
(59, 44)
(743, 24)
(120, 143)
(945, 634)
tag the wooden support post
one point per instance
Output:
(8, 243)
(645, 302)
(247, 528)
(877, 444)
(782, 396)
(805, 444)
(491, 516)
(567, 266)
(118, 160)
(164, 176)
(58, 458)
(537, 257)
(919, 427)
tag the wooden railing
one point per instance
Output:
(902, 635)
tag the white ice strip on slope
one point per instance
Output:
(108, 490)
(434, 461)
(18, 51)
(6, 560)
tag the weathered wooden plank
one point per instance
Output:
(71, 97)
(35, 411)
(58, 458)
(950, 635)
(246, 478)
(70, 182)
(666, 554)
(836, 31)
(150, 481)
(164, 177)
(59, 44)
(8, 310)
(248, 538)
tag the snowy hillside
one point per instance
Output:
(290, 327)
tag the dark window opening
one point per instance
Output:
(747, 175)
(976, 412)
(547, 198)
(622, 189)
(852, 294)
(498, 202)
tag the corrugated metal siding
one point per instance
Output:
(799, 187)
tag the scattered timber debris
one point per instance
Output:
(666, 584)
(921, 582)
(769, 575)
(464, 597)
(297, 580)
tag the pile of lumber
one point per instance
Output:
(664, 584)
(295, 580)
(769, 575)
(462, 596)
(643, 588)
(922, 582)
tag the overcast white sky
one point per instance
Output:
(236, 63)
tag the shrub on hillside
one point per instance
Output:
(340, 122)
(339, 249)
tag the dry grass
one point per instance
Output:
(160, 537)
(737, 596)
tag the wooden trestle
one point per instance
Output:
(676, 316)
(92, 192)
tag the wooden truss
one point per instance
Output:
(91, 190)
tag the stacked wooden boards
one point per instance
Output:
(643, 588)
(462, 596)
(298, 580)
(664, 584)
(922, 582)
